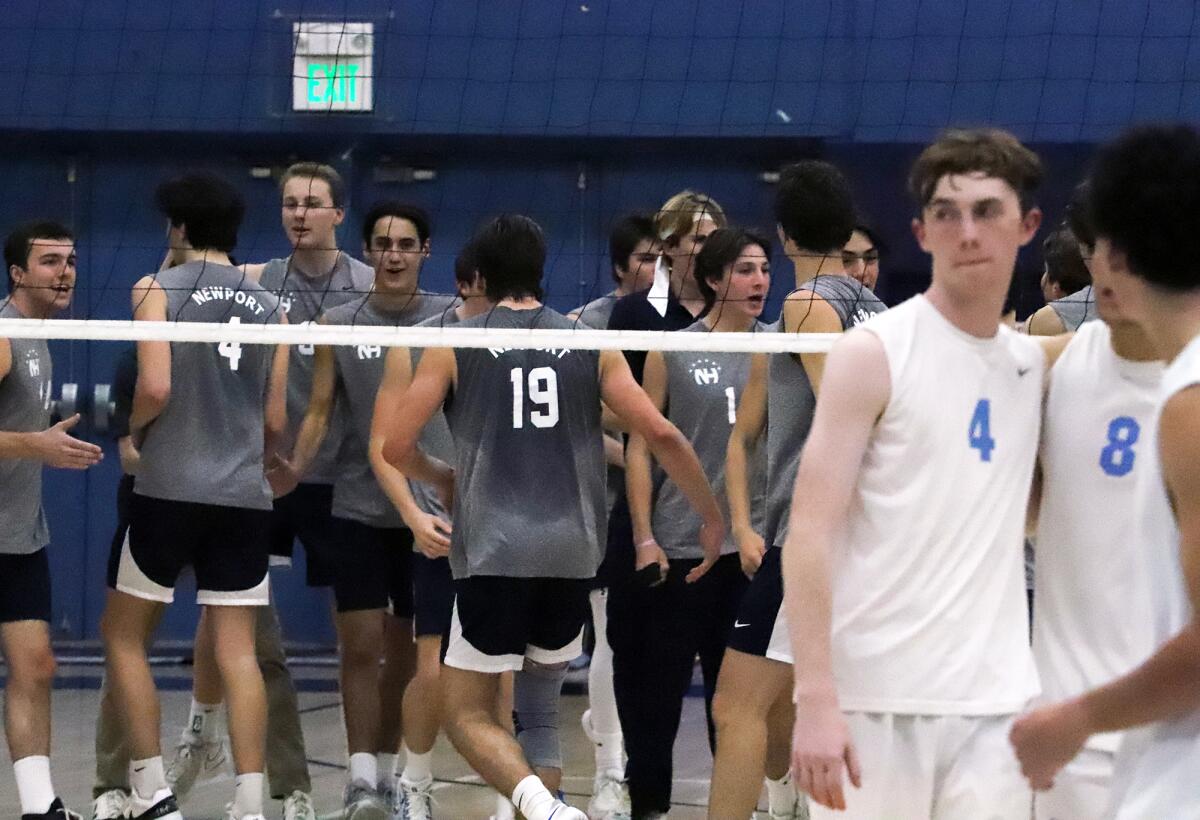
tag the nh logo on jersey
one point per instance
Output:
(706, 371)
(35, 364)
(369, 352)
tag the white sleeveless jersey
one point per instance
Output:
(1157, 774)
(1091, 621)
(929, 606)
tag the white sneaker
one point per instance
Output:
(362, 802)
(796, 811)
(111, 805)
(195, 760)
(610, 797)
(416, 800)
(229, 815)
(299, 806)
(162, 806)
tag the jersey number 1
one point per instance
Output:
(543, 392)
(979, 434)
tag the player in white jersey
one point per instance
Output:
(1144, 199)
(753, 705)
(1089, 618)
(903, 571)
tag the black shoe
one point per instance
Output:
(167, 808)
(57, 811)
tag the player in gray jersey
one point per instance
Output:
(204, 415)
(521, 591)
(40, 257)
(633, 250)
(698, 392)
(1067, 281)
(423, 513)
(314, 276)
(752, 708)
(373, 573)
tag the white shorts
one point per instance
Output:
(946, 767)
(1081, 790)
(1157, 773)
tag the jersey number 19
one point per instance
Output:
(543, 392)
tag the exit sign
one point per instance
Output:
(332, 68)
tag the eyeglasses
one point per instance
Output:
(867, 257)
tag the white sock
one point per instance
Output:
(602, 701)
(146, 777)
(387, 768)
(533, 799)
(34, 788)
(248, 794)
(418, 766)
(781, 793)
(204, 720)
(364, 767)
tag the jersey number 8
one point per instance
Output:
(543, 392)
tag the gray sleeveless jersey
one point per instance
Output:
(304, 299)
(529, 500)
(356, 494)
(207, 444)
(790, 399)
(703, 390)
(595, 313)
(1075, 309)
(24, 408)
(435, 440)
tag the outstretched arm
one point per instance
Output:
(430, 384)
(430, 533)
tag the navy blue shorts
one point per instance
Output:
(374, 568)
(433, 596)
(760, 628)
(305, 514)
(25, 587)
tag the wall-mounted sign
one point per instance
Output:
(332, 67)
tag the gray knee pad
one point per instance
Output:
(536, 692)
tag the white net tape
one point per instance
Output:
(451, 336)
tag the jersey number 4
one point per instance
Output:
(231, 350)
(979, 434)
(543, 392)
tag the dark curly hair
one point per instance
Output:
(1145, 197)
(722, 248)
(813, 206)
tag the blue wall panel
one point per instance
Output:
(862, 70)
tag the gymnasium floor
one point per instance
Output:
(459, 793)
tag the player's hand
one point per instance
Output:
(1046, 739)
(822, 751)
(281, 475)
(712, 538)
(649, 552)
(56, 447)
(751, 549)
(431, 535)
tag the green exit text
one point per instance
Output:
(333, 82)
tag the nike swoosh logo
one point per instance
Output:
(1021, 371)
(739, 624)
